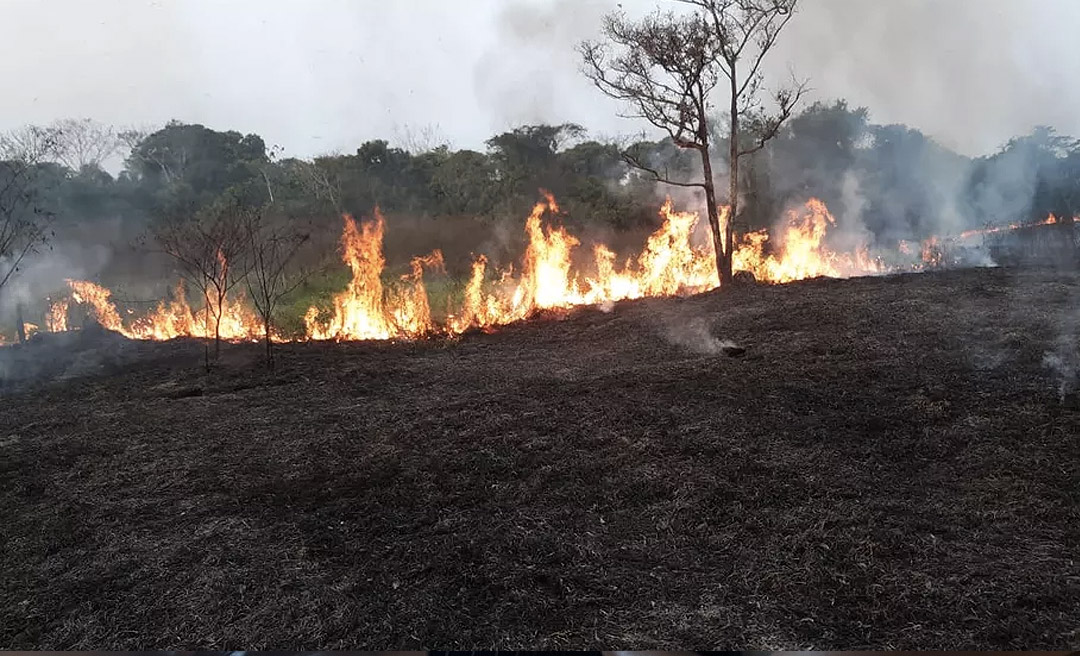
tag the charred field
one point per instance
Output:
(889, 465)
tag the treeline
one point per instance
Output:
(891, 180)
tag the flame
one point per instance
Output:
(99, 301)
(800, 253)
(669, 264)
(169, 320)
(365, 310)
(56, 320)
(1051, 219)
(674, 260)
(933, 254)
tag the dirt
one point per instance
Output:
(889, 465)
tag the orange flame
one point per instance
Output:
(56, 320)
(362, 311)
(168, 321)
(800, 253)
(670, 263)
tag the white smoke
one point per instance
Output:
(44, 272)
(694, 335)
(1064, 360)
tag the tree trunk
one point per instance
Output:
(217, 324)
(269, 344)
(714, 218)
(206, 343)
(733, 183)
(20, 326)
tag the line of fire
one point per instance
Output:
(676, 260)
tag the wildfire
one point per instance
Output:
(56, 319)
(169, 320)
(365, 310)
(934, 249)
(801, 253)
(674, 260)
(967, 234)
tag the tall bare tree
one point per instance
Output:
(211, 251)
(85, 142)
(666, 67)
(273, 247)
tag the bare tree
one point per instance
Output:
(273, 246)
(422, 140)
(23, 223)
(667, 65)
(211, 251)
(85, 142)
(321, 179)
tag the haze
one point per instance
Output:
(324, 75)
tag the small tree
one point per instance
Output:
(273, 247)
(666, 66)
(211, 249)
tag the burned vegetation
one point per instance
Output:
(890, 463)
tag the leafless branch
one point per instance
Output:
(273, 247)
(634, 161)
(211, 251)
(765, 128)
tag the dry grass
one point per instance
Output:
(889, 466)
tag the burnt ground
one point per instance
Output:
(890, 465)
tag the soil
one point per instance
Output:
(888, 465)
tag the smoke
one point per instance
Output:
(1064, 360)
(530, 75)
(45, 272)
(970, 74)
(694, 335)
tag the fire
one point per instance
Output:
(676, 259)
(169, 320)
(1051, 219)
(800, 253)
(56, 319)
(669, 264)
(932, 253)
(99, 300)
(365, 310)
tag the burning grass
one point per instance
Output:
(674, 260)
(369, 301)
(889, 466)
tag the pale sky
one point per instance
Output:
(318, 76)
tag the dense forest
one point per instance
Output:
(892, 179)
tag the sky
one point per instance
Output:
(321, 76)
